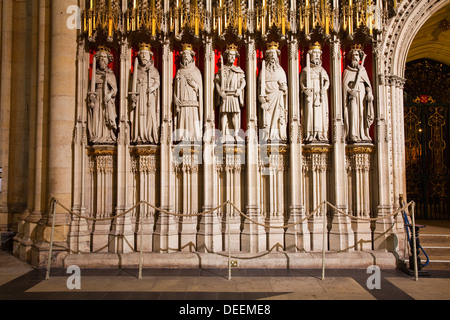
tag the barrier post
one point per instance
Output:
(141, 245)
(416, 272)
(229, 247)
(324, 240)
(50, 249)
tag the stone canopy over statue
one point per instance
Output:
(273, 94)
(188, 99)
(102, 100)
(358, 98)
(230, 83)
(145, 99)
(314, 83)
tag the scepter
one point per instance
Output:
(222, 74)
(352, 85)
(263, 91)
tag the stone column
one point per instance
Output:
(383, 174)
(398, 146)
(401, 159)
(341, 234)
(19, 139)
(60, 131)
(166, 233)
(5, 108)
(79, 235)
(37, 127)
(297, 237)
(209, 236)
(122, 234)
(253, 235)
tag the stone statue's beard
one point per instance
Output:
(187, 63)
(355, 63)
(271, 65)
(316, 62)
(146, 63)
(102, 65)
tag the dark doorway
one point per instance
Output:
(427, 134)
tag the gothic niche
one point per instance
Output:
(101, 98)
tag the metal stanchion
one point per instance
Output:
(324, 242)
(416, 269)
(141, 245)
(50, 250)
(229, 247)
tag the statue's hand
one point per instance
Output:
(308, 92)
(282, 86)
(370, 97)
(92, 98)
(353, 93)
(223, 95)
(262, 99)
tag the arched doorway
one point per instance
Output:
(427, 137)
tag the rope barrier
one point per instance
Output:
(54, 202)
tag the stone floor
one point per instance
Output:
(19, 281)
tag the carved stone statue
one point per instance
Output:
(230, 83)
(102, 100)
(358, 98)
(314, 83)
(273, 96)
(145, 105)
(188, 99)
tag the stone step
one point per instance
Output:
(434, 239)
(438, 264)
(437, 250)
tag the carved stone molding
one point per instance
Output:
(360, 149)
(101, 159)
(317, 148)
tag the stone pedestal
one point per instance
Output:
(145, 165)
(316, 165)
(230, 159)
(359, 184)
(187, 159)
(102, 181)
(274, 166)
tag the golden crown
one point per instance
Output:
(315, 46)
(356, 47)
(145, 46)
(104, 49)
(272, 46)
(232, 47)
(187, 47)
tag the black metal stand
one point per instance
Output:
(410, 270)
